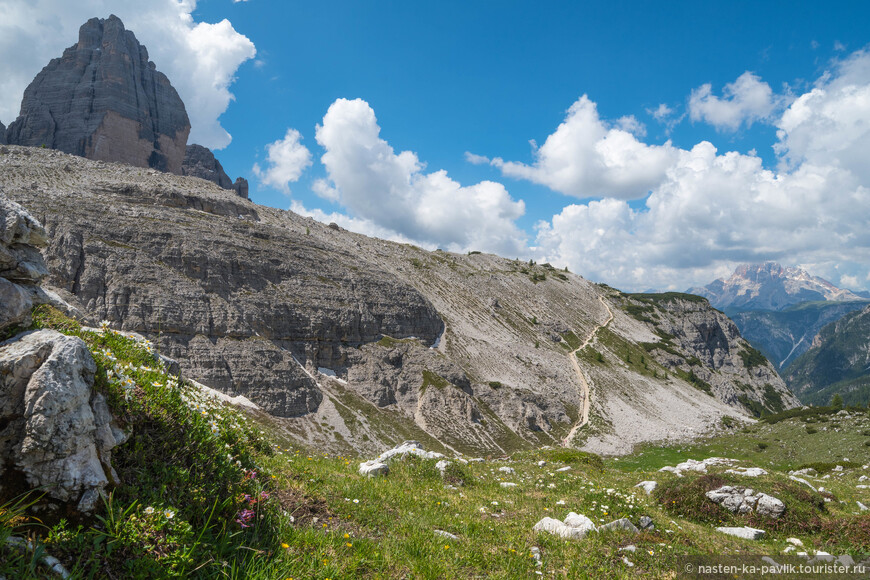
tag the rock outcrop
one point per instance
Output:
(21, 265)
(55, 431)
(103, 99)
(705, 345)
(200, 162)
(2, 134)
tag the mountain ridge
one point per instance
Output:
(770, 286)
(312, 322)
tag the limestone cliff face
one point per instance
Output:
(104, 100)
(200, 162)
(354, 343)
(697, 339)
(2, 134)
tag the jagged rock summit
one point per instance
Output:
(104, 100)
(200, 162)
(770, 286)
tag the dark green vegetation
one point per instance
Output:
(838, 364)
(782, 336)
(187, 470)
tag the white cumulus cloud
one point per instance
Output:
(745, 101)
(393, 192)
(286, 160)
(714, 209)
(587, 157)
(200, 59)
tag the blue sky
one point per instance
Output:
(445, 79)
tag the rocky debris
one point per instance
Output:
(620, 524)
(408, 448)
(380, 466)
(647, 486)
(699, 466)
(447, 535)
(103, 99)
(742, 500)
(576, 526)
(58, 433)
(744, 532)
(536, 554)
(200, 162)
(861, 506)
(747, 471)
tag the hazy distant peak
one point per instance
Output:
(770, 286)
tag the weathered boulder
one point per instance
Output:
(57, 432)
(743, 500)
(200, 162)
(555, 527)
(747, 471)
(575, 526)
(103, 99)
(373, 468)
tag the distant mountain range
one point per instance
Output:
(780, 309)
(770, 286)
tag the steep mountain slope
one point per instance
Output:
(785, 335)
(354, 343)
(837, 362)
(770, 286)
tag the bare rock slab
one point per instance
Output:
(744, 532)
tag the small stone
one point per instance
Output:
(507, 469)
(795, 542)
(447, 535)
(374, 468)
(648, 486)
(646, 523)
(566, 468)
(555, 527)
(744, 532)
(620, 524)
(508, 484)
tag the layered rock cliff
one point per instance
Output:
(103, 99)
(200, 162)
(357, 343)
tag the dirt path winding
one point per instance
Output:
(584, 384)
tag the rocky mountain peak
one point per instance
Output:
(103, 99)
(770, 286)
(200, 162)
